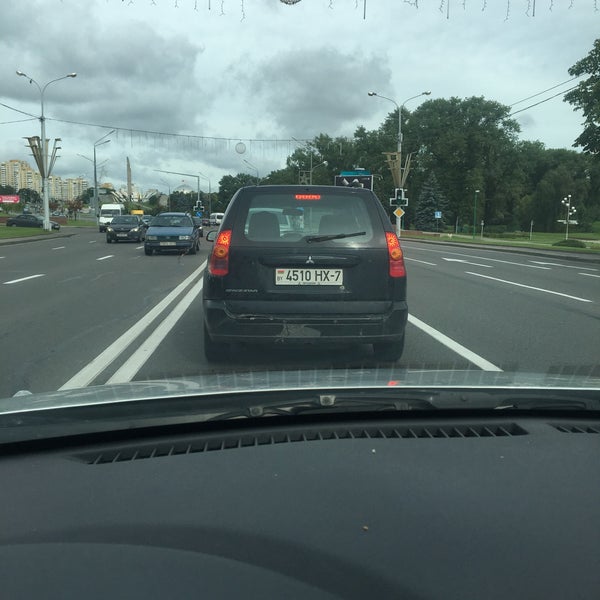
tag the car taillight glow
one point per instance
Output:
(396, 258)
(308, 196)
(219, 258)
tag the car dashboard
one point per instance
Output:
(356, 505)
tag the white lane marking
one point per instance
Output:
(86, 375)
(92, 241)
(530, 287)
(24, 279)
(589, 275)
(105, 257)
(137, 360)
(59, 248)
(421, 261)
(538, 262)
(507, 262)
(477, 360)
(466, 262)
(139, 247)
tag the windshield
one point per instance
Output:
(125, 220)
(377, 186)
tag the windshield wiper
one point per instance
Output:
(336, 236)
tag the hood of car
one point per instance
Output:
(252, 382)
(123, 226)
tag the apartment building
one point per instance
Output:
(19, 174)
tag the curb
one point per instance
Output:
(590, 258)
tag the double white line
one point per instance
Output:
(135, 362)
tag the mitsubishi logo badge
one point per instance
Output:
(310, 261)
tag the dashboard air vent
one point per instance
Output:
(213, 442)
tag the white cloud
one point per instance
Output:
(269, 72)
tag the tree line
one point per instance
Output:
(466, 158)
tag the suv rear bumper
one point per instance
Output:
(223, 326)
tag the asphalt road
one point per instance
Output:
(78, 312)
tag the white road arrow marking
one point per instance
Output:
(538, 262)
(466, 262)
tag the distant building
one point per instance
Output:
(19, 174)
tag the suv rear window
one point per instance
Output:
(291, 216)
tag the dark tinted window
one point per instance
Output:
(125, 220)
(286, 217)
(172, 221)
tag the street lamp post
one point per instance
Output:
(209, 191)
(475, 212)
(186, 175)
(44, 144)
(169, 196)
(252, 167)
(399, 143)
(99, 142)
(313, 168)
(566, 201)
(400, 176)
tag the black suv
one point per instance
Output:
(297, 264)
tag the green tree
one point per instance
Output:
(228, 186)
(470, 144)
(7, 189)
(182, 201)
(586, 97)
(29, 196)
(431, 200)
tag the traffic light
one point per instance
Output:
(400, 198)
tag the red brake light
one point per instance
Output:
(396, 258)
(219, 259)
(308, 196)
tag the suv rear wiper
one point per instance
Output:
(336, 236)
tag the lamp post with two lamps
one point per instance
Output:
(43, 163)
(252, 167)
(399, 175)
(99, 142)
(571, 210)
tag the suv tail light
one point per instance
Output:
(219, 259)
(396, 258)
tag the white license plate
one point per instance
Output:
(309, 276)
(167, 243)
(121, 235)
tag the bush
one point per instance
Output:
(571, 243)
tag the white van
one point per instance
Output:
(216, 218)
(106, 214)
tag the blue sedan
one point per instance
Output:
(172, 231)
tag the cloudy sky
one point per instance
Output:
(182, 82)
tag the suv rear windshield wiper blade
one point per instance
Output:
(336, 236)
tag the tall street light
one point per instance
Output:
(209, 191)
(169, 196)
(400, 181)
(475, 212)
(100, 142)
(44, 145)
(566, 201)
(185, 175)
(324, 163)
(252, 167)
